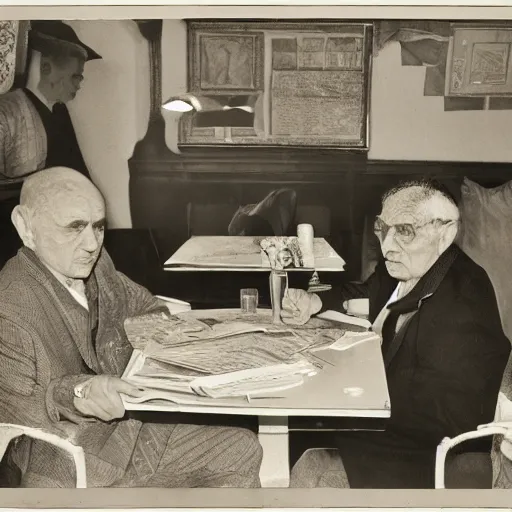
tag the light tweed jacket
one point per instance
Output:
(46, 349)
(23, 143)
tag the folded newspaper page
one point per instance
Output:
(211, 358)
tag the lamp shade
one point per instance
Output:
(213, 103)
(177, 105)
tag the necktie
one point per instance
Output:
(389, 330)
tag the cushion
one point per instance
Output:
(486, 237)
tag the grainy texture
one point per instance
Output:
(22, 136)
(47, 346)
(444, 369)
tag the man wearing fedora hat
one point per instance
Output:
(36, 130)
(35, 127)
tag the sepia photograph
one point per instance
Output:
(260, 256)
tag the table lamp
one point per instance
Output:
(210, 103)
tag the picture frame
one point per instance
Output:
(225, 61)
(480, 62)
(306, 83)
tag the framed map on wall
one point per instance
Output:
(278, 84)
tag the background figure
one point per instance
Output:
(36, 131)
(274, 215)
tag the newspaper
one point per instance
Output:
(216, 356)
(213, 358)
(183, 386)
(166, 330)
(242, 252)
(343, 318)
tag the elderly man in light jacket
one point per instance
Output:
(63, 349)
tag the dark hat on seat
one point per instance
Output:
(57, 31)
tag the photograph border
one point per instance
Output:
(238, 499)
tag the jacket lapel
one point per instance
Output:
(411, 303)
(112, 347)
(75, 316)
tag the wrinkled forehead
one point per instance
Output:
(405, 206)
(66, 206)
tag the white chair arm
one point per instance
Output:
(174, 305)
(447, 444)
(9, 431)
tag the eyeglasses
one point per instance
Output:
(405, 233)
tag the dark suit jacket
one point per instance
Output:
(62, 148)
(444, 369)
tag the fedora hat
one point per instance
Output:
(57, 31)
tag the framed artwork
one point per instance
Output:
(278, 84)
(479, 62)
(226, 62)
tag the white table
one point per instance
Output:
(330, 393)
(244, 254)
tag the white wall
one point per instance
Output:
(405, 125)
(174, 73)
(111, 111)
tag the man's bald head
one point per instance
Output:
(44, 189)
(61, 217)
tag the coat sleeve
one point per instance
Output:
(454, 387)
(136, 299)
(139, 300)
(24, 400)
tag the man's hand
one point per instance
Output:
(357, 307)
(101, 397)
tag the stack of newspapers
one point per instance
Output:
(185, 357)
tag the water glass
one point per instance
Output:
(249, 300)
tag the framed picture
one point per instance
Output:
(479, 62)
(278, 84)
(226, 62)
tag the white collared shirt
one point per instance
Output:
(381, 317)
(75, 287)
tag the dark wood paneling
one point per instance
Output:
(163, 184)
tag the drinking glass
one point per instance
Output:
(249, 300)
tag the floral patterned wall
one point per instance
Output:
(13, 53)
(8, 38)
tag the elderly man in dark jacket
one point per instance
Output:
(63, 349)
(442, 341)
